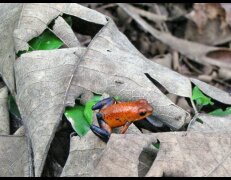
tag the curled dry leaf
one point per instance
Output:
(15, 157)
(4, 113)
(180, 154)
(207, 123)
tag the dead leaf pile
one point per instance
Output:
(45, 82)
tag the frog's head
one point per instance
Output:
(145, 109)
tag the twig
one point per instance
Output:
(191, 66)
(222, 82)
(106, 6)
(163, 24)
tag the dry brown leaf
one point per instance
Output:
(227, 7)
(83, 156)
(64, 32)
(203, 12)
(85, 153)
(15, 157)
(35, 18)
(9, 15)
(48, 81)
(210, 124)
(4, 113)
(195, 51)
(180, 154)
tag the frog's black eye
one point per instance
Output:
(143, 113)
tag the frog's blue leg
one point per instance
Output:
(104, 103)
(153, 120)
(104, 131)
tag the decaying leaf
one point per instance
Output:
(9, 15)
(204, 12)
(4, 120)
(180, 154)
(35, 18)
(15, 157)
(65, 33)
(208, 123)
(195, 51)
(49, 81)
(43, 79)
(85, 153)
(83, 156)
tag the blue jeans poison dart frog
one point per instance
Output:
(114, 114)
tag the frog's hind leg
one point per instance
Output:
(104, 103)
(104, 131)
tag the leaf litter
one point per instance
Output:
(49, 81)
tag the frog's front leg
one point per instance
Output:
(104, 103)
(104, 131)
(125, 127)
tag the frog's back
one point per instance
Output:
(117, 115)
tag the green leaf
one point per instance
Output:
(96, 98)
(88, 112)
(220, 112)
(200, 98)
(46, 41)
(117, 98)
(13, 108)
(77, 119)
(20, 53)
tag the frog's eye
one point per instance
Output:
(142, 113)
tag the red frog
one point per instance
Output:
(114, 114)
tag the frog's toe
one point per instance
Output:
(101, 133)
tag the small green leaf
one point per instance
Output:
(157, 144)
(117, 98)
(220, 112)
(46, 41)
(200, 121)
(200, 98)
(13, 108)
(75, 115)
(20, 53)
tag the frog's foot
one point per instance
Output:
(104, 131)
(104, 103)
(101, 133)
